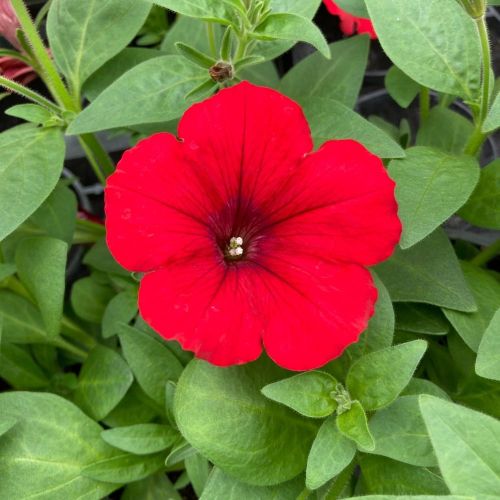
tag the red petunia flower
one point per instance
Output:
(350, 24)
(10, 67)
(16, 70)
(9, 23)
(249, 238)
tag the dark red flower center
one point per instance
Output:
(237, 230)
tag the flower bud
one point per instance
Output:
(221, 72)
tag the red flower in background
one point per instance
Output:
(249, 238)
(8, 23)
(350, 24)
(10, 67)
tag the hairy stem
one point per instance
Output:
(29, 94)
(49, 72)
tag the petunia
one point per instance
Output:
(16, 70)
(248, 238)
(11, 67)
(9, 23)
(350, 24)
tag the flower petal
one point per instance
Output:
(152, 214)
(341, 205)
(208, 307)
(320, 308)
(245, 140)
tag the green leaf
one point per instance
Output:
(354, 7)
(192, 31)
(30, 113)
(383, 476)
(221, 486)
(122, 308)
(292, 27)
(377, 379)
(400, 433)
(41, 265)
(330, 119)
(428, 272)
(19, 369)
(197, 469)
(421, 318)
(153, 364)
(380, 331)
(430, 187)
(32, 161)
(486, 291)
(354, 425)
(124, 468)
(155, 487)
(22, 323)
(488, 354)
(466, 443)
(307, 393)
(194, 55)
(330, 454)
(141, 439)
(7, 270)
(264, 74)
(338, 78)
(419, 386)
(103, 382)
(89, 299)
(116, 67)
(51, 443)
(209, 10)
(447, 60)
(180, 451)
(153, 90)
(483, 207)
(271, 443)
(401, 87)
(446, 130)
(84, 35)
(57, 215)
(492, 121)
(304, 8)
(100, 258)
(6, 425)
(135, 408)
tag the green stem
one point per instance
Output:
(63, 344)
(15, 55)
(99, 153)
(486, 52)
(242, 47)
(304, 494)
(73, 331)
(42, 13)
(49, 72)
(487, 254)
(29, 94)
(425, 104)
(91, 227)
(99, 160)
(211, 39)
(477, 138)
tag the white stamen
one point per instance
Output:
(235, 248)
